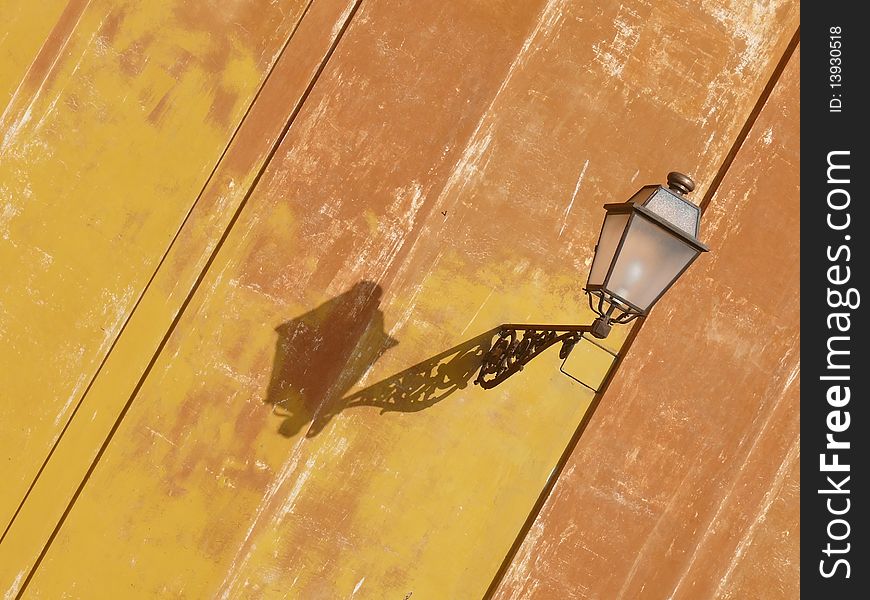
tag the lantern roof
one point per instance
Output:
(668, 207)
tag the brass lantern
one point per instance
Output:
(645, 244)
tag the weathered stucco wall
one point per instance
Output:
(111, 132)
(685, 483)
(276, 244)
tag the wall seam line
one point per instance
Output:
(544, 495)
(147, 286)
(751, 119)
(279, 139)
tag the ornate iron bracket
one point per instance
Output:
(517, 345)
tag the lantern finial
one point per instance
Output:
(682, 184)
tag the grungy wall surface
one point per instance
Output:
(685, 484)
(252, 254)
(107, 140)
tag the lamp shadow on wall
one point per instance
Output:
(322, 354)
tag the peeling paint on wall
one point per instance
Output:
(301, 420)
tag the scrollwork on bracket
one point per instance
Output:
(517, 345)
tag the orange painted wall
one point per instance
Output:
(279, 266)
(685, 483)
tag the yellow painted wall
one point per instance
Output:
(27, 28)
(106, 144)
(293, 415)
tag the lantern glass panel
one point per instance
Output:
(650, 259)
(611, 233)
(678, 211)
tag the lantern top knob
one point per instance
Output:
(682, 184)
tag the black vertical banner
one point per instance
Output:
(835, 369)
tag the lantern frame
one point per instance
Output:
(619, 309)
